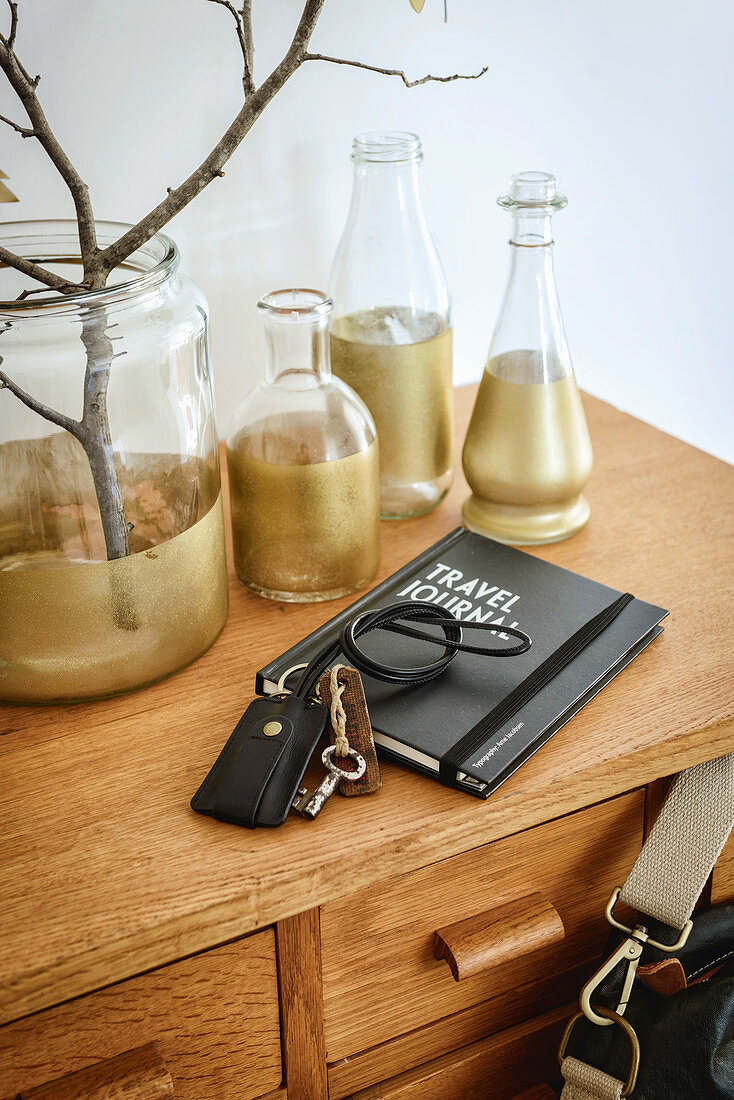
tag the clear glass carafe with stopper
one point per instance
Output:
(303, 465)
(391, 337)
(527, 454)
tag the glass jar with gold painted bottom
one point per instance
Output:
(113, 570)
(527, 454)
(303, 465)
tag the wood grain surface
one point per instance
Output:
(138, 1074)
(498, 1067)
(655, 796)
(104, 869)
(573, 862)
(451, 1033)
(301, 1005)
(213, 1019)
(541, 1092)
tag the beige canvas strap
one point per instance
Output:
(583, 1082)
(668, 877)
(684, 843)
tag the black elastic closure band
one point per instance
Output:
(389, 618)
(455, 759)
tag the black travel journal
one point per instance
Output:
(474, 725)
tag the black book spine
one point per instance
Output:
(331, 629)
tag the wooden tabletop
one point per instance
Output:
(104, 869)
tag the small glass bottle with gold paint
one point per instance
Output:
(303, 465)
(527, 454)
(391, 337)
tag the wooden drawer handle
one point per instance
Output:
(498, 935)
(138, 1074)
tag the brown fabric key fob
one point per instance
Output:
(356, 721)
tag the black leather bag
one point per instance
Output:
(657, 1018)
(682, 1012)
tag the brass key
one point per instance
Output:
(310, 805)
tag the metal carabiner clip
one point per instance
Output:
(629, 951)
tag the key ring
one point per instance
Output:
(281, 689)
(359, 760)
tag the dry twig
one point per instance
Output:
(36, 406)
(211, 167)
(25, 87)
(244, 36)
(24, 131)
(395, 72)
(93, 430)
(36, 271)
(98, 263)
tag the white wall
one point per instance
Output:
(630, 105)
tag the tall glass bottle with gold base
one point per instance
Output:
(303, 465)
(527, 454)
(391, 337)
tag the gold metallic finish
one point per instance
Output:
(628, 952)
(272, 729)
(613, 1017)
(527, 456)
(408, 389)
(671, 948)
(6, 195)
(71, 631)
(308, 532)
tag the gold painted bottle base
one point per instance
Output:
(305, 597)
(309, 532)
(526, 525)
(407, 388)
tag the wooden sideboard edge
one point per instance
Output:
(106, 964)
(490, 1044)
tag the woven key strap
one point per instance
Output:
(668, 877)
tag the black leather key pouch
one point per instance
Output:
(257, 774)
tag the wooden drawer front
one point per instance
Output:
(380, 977)
(500, 1067)
(453, 1033)
(722, 883)
(213, 1019)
